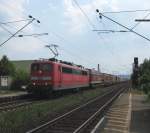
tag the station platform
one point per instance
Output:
(12, 94)
(140, 120)
(117, 119)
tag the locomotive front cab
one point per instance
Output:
(41, 77)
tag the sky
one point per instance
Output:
(71, 28)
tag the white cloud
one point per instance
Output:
(15, 10)
(52, 6)
(76, 19)
(25, 45)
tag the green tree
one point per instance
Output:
(145, 76)
(6, 67)
(20, 78)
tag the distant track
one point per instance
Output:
(14, 98)
(8, 106)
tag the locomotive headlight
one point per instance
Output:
(33, 83)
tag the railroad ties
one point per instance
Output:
(13, 105)
(83, 118)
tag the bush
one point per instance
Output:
(145, 88)
(148, 95)
(6, 67)
(20, 79)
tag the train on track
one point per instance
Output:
(53, 75)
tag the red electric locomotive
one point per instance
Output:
(48, 76)
(52, 75)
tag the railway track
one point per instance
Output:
(81, 119)
(12, 105)
(14, 98)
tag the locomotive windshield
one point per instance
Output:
(46, 67)
(41, 67)
(35, 67)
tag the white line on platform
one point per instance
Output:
(116, 113)
(111, 117)
(119, 110)
(130, 110)
(114, 125)
(114, 129)
(124, 110)
(117, 121)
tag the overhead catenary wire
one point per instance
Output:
(90, 22)
(88, 19)
(86, 16)
(58, 36)
(113, 31)
(15, 21)
(22, 35)
(69, 52)
(17, 32)
(36, 37)
(140, 22)
(35, 34)
(127, 11)
(129, 30)
(101, 14)
(6, 29)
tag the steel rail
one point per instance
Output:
(98, 112)
(14, 98)
(68, 113)
(8, 106)
(14, 106)
(13, 102)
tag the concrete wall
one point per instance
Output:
(5, 82)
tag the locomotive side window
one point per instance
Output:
(43, 67)
(35, 67)
(77, 72)
(66, 70)
(84, 72)
(46, 67)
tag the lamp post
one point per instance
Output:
(35, 35)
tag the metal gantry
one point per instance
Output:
(13, 35)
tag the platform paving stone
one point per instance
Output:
(140, 120)
(117, 119)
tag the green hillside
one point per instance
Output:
(23, 65)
